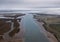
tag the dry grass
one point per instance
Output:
(16, 28)
(4, 28)
(14, 31)
(54, 29)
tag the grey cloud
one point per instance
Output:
(10, 1)
(29, 4)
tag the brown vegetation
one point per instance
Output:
(1, 37)
(14, 31)
(16, 28)
(4, 27)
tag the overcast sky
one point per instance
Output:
(29, 4)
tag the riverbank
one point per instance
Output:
(48, 34)
(17, 37)
(11, 30)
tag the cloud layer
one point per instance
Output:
(29, 4)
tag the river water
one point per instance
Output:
(32, 31)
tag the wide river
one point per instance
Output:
(32, 31)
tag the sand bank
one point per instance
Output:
(49, 35)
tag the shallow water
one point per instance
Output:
(32, 31)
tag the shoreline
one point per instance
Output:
(18, 37)
(48, 34)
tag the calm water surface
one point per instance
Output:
(32, 31)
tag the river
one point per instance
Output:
(32, 32)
